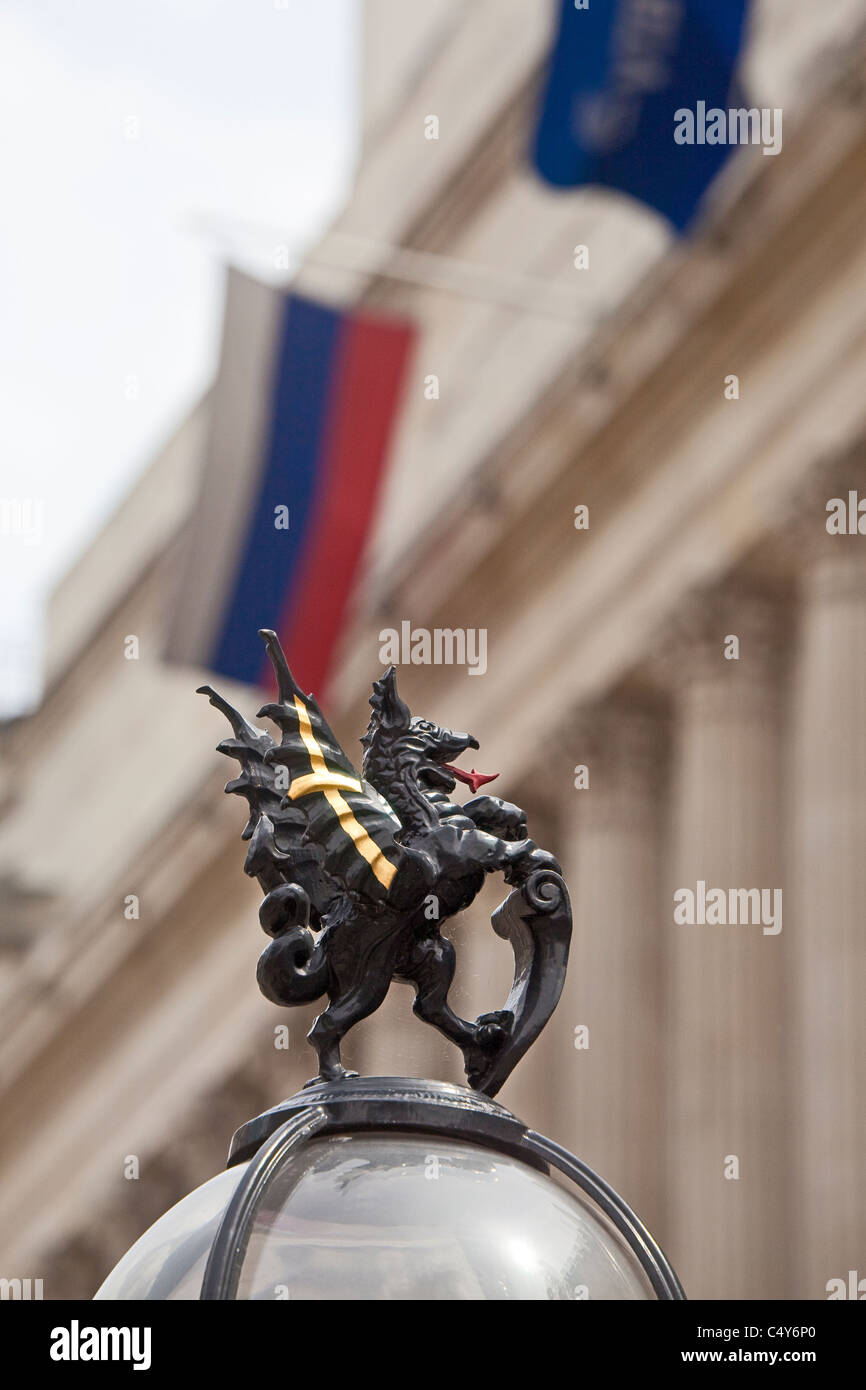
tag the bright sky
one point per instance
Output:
(128, 126)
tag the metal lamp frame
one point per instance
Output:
(401, 1104)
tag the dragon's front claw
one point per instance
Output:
(491, 1032)
(525, 861)
(492, 1029)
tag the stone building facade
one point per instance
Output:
(714, 1073)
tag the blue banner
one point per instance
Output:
(638, 96)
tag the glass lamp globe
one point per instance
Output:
(397, 1190)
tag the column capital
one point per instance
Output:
(622, 744)
(821, 531)
(726, 637)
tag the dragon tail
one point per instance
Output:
(293, 967)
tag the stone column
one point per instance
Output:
(828, 794)
(728, 1156)
(605, 1036)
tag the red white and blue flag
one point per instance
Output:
(301, 418)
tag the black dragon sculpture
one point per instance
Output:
(360, 872)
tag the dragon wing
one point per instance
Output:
(347, 820)
(278, 853)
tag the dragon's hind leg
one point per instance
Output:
(432, 969)
(332, 1025)
(432, 966)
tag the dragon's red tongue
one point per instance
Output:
(472, 779)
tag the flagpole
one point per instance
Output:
(347, 252)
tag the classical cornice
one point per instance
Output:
(681, 483)
(709, 306)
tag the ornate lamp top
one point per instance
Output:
(359, 873)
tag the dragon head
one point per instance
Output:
(398, 744)
(433, 748)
